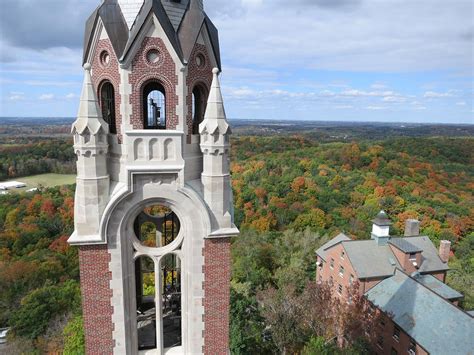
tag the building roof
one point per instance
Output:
(436, 324)
(339, 238)
(181, 22)
(437, 286)
(369, 259)
(382, 219)
(430, 260)
(404, 245)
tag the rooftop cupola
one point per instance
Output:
(381, 228)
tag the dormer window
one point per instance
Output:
(413, 256)
(154, 106)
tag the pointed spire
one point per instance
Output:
(215, 117)
(89, 115)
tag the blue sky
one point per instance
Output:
(353, 60)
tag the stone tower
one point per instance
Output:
(153, 213)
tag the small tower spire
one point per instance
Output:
(215, 132)
(92, 184)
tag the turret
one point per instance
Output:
(215, 133)
(381, 228)
(90, 144)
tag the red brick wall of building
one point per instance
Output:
(102, 72)
(96, 299)
(216, 296)
(143, 72)
(197, 75)
(400, 345)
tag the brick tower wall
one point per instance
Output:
(216, 296)
(96, 299)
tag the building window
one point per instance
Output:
(198, 106)
(396, 333)
(412, 256)
(412, 348)
(351, 279)
(107, 101)
(341, 271)
(393, 351)
(332, 264)
(154, 106)
(331, 280)
(342, 254)
(339, 289)
(157, 277)
(382, 322)
(380, 341)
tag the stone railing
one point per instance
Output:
(154, 148)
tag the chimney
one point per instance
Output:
(412, 228)
(444, 250)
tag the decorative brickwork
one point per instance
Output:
(96, 299)
(216, 296)
(143, 72)
(197, 74)
(102, 72)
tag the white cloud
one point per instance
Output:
(376, 108)
(46, 97)
(437, 95)
(461, 103)
(394, 99)
(71, 96)
(16, 96)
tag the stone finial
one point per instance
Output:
(215, 117)
(89, 115)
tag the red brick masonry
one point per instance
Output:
(216, 296)
(96, 299)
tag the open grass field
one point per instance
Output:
(44, 180)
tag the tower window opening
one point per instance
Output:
(157, 226)
(145, 279)
(171, 305)
(199, 101)
(107, 100)
(154, 105)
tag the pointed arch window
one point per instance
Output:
(107, 100)
(199, 103)
(154, 106)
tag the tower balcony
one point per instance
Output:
(154, 149)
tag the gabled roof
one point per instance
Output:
(430, 260)
(369, 259)
(434, 323)
(404, 245)
(437, 286)
(155, 7)
(115, 26)
(339, 238)
(182, 24)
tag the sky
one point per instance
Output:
(327, 60)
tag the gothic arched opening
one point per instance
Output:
(145, 286)
(199, 102)
(107, 101)
(157, 278)
(154, 106)
(170, 268)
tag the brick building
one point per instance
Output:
(153, 206)
(403, 277)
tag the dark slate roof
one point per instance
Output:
(182, 39)
(437, 286)
(404, 245)
(434, 323)
(430, 260)
(116, 27)
(382, 219)
(369, 259)
(339, 238)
